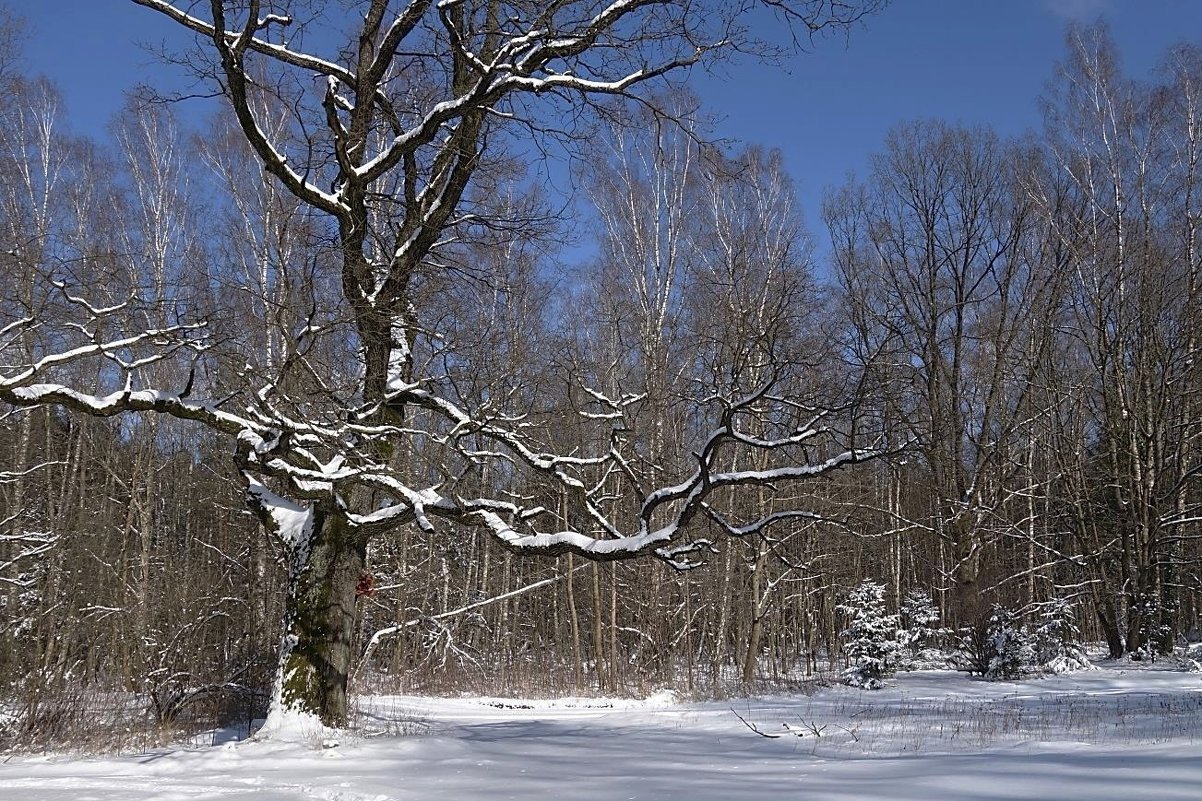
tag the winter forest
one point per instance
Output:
(454, 353)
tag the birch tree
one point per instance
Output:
(36, 160)
(1129, 152)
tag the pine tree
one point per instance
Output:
(1057, 646)
(919, 629)
(1009, 645)
(871, 637)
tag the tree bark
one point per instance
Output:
(318, 646)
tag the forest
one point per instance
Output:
(336, 393)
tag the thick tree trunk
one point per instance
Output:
(968, 607)
(1110, 629)
(319, 623)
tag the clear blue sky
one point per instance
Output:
(972, 61)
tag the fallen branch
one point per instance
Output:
(753, 727)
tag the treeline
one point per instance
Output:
(1019, 320)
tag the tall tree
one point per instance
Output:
(1126, 151)
(397, 130)
(933, 267)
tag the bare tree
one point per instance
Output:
(394, 131)
(36, 164)
(933, 265)
(647, 191)
(1127, 152)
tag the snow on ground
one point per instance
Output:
(1115, 733)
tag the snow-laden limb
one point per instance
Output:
(108, 348)
(291, 522)
(281, 52)
(128, 400)
(13, 475)
(664, 513)
(15, 326)
(232, 47)
(572, 541)
(617, 407)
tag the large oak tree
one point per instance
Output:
(388, 121)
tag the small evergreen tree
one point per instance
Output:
(1008, 644)
(919, 617)
(1057, 646)
(871, 636)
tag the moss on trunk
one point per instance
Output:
(320, 621)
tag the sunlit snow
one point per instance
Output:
(1114, 733)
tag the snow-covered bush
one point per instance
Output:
(998, 647)
(920, 634)
(1057, 646)
(1009, 645)
(871, 636)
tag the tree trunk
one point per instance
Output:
(1110, 629)
(968, 607)
(598, 638)
(723, 623)
(759, 607)
(319, 619)
(574, 617)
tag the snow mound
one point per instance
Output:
(285, 725)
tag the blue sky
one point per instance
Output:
(971, 61)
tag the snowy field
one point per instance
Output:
(1114, 733)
